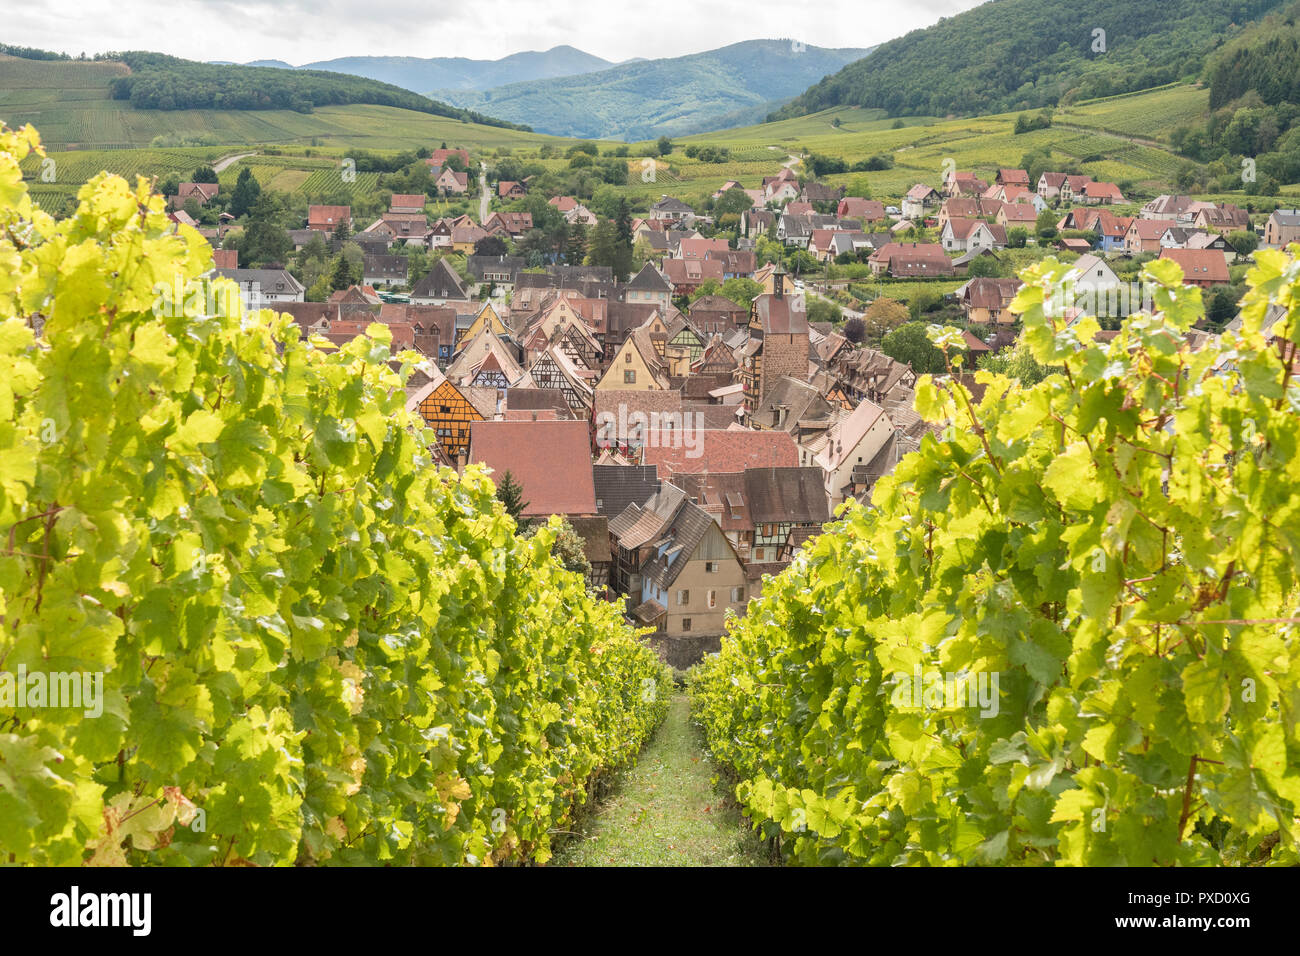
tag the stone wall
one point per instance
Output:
(683, 652)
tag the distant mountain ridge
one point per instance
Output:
(418, 74)
(670, 96)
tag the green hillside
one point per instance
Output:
(1025, 54)
(1264, 59)
(160, 82)
(462, 73)
(71, 103)
(1126, 139)
(650, 98)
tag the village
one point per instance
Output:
(692, 441)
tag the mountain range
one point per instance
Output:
(418, 74)
(649, 98)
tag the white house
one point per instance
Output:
(971, 235)
(851, 443)
(260, 287)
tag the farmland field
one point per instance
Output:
(1115, 139)
(68, 101)
(1153, 114)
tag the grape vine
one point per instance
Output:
(1113, 552)
(315, 647)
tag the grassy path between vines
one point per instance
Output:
(665, 811)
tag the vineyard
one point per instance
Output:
(1095, 136)
(299, 641)
(1064, 632)
(1153, 114)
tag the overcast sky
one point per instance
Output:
(303, 31)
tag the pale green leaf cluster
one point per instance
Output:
(1118, 545)
(315, 646)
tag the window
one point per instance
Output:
(683, 597)
(629, 376)
(710, 567)
(627, 358)
(713, 599)
(737, 594)
(686, 624)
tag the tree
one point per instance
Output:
(822, 310)
(1222, 306)
(246, 192)
(511, 495)
(319, 291)
(855, 330)
(571, 550)
(576, 244)
(664, 146)
(882, 317)
(909, 344)
(490, 246)
(1017, 237)
(801, 261)
(265, 240)
(606, 247)
(1035, 163)
(1046, 224)
(169, 186)
(922, 301)
(732, 201)
(341, 278)
(707, 287)
(204, 174)
(985, 266)
(342, 232)
(741, 291)
(1243, 241)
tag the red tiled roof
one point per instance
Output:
(1151, 229)
(328, 215)
(1199, 265)
(700, 248)
(1019, 212)
(550, 459)
(725, 451)
(854, 207)
(1103, 191)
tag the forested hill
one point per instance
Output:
(163, 82)
(1265, 59)
(1022, 54)
(672, 96)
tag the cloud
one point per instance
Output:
(302, 31)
